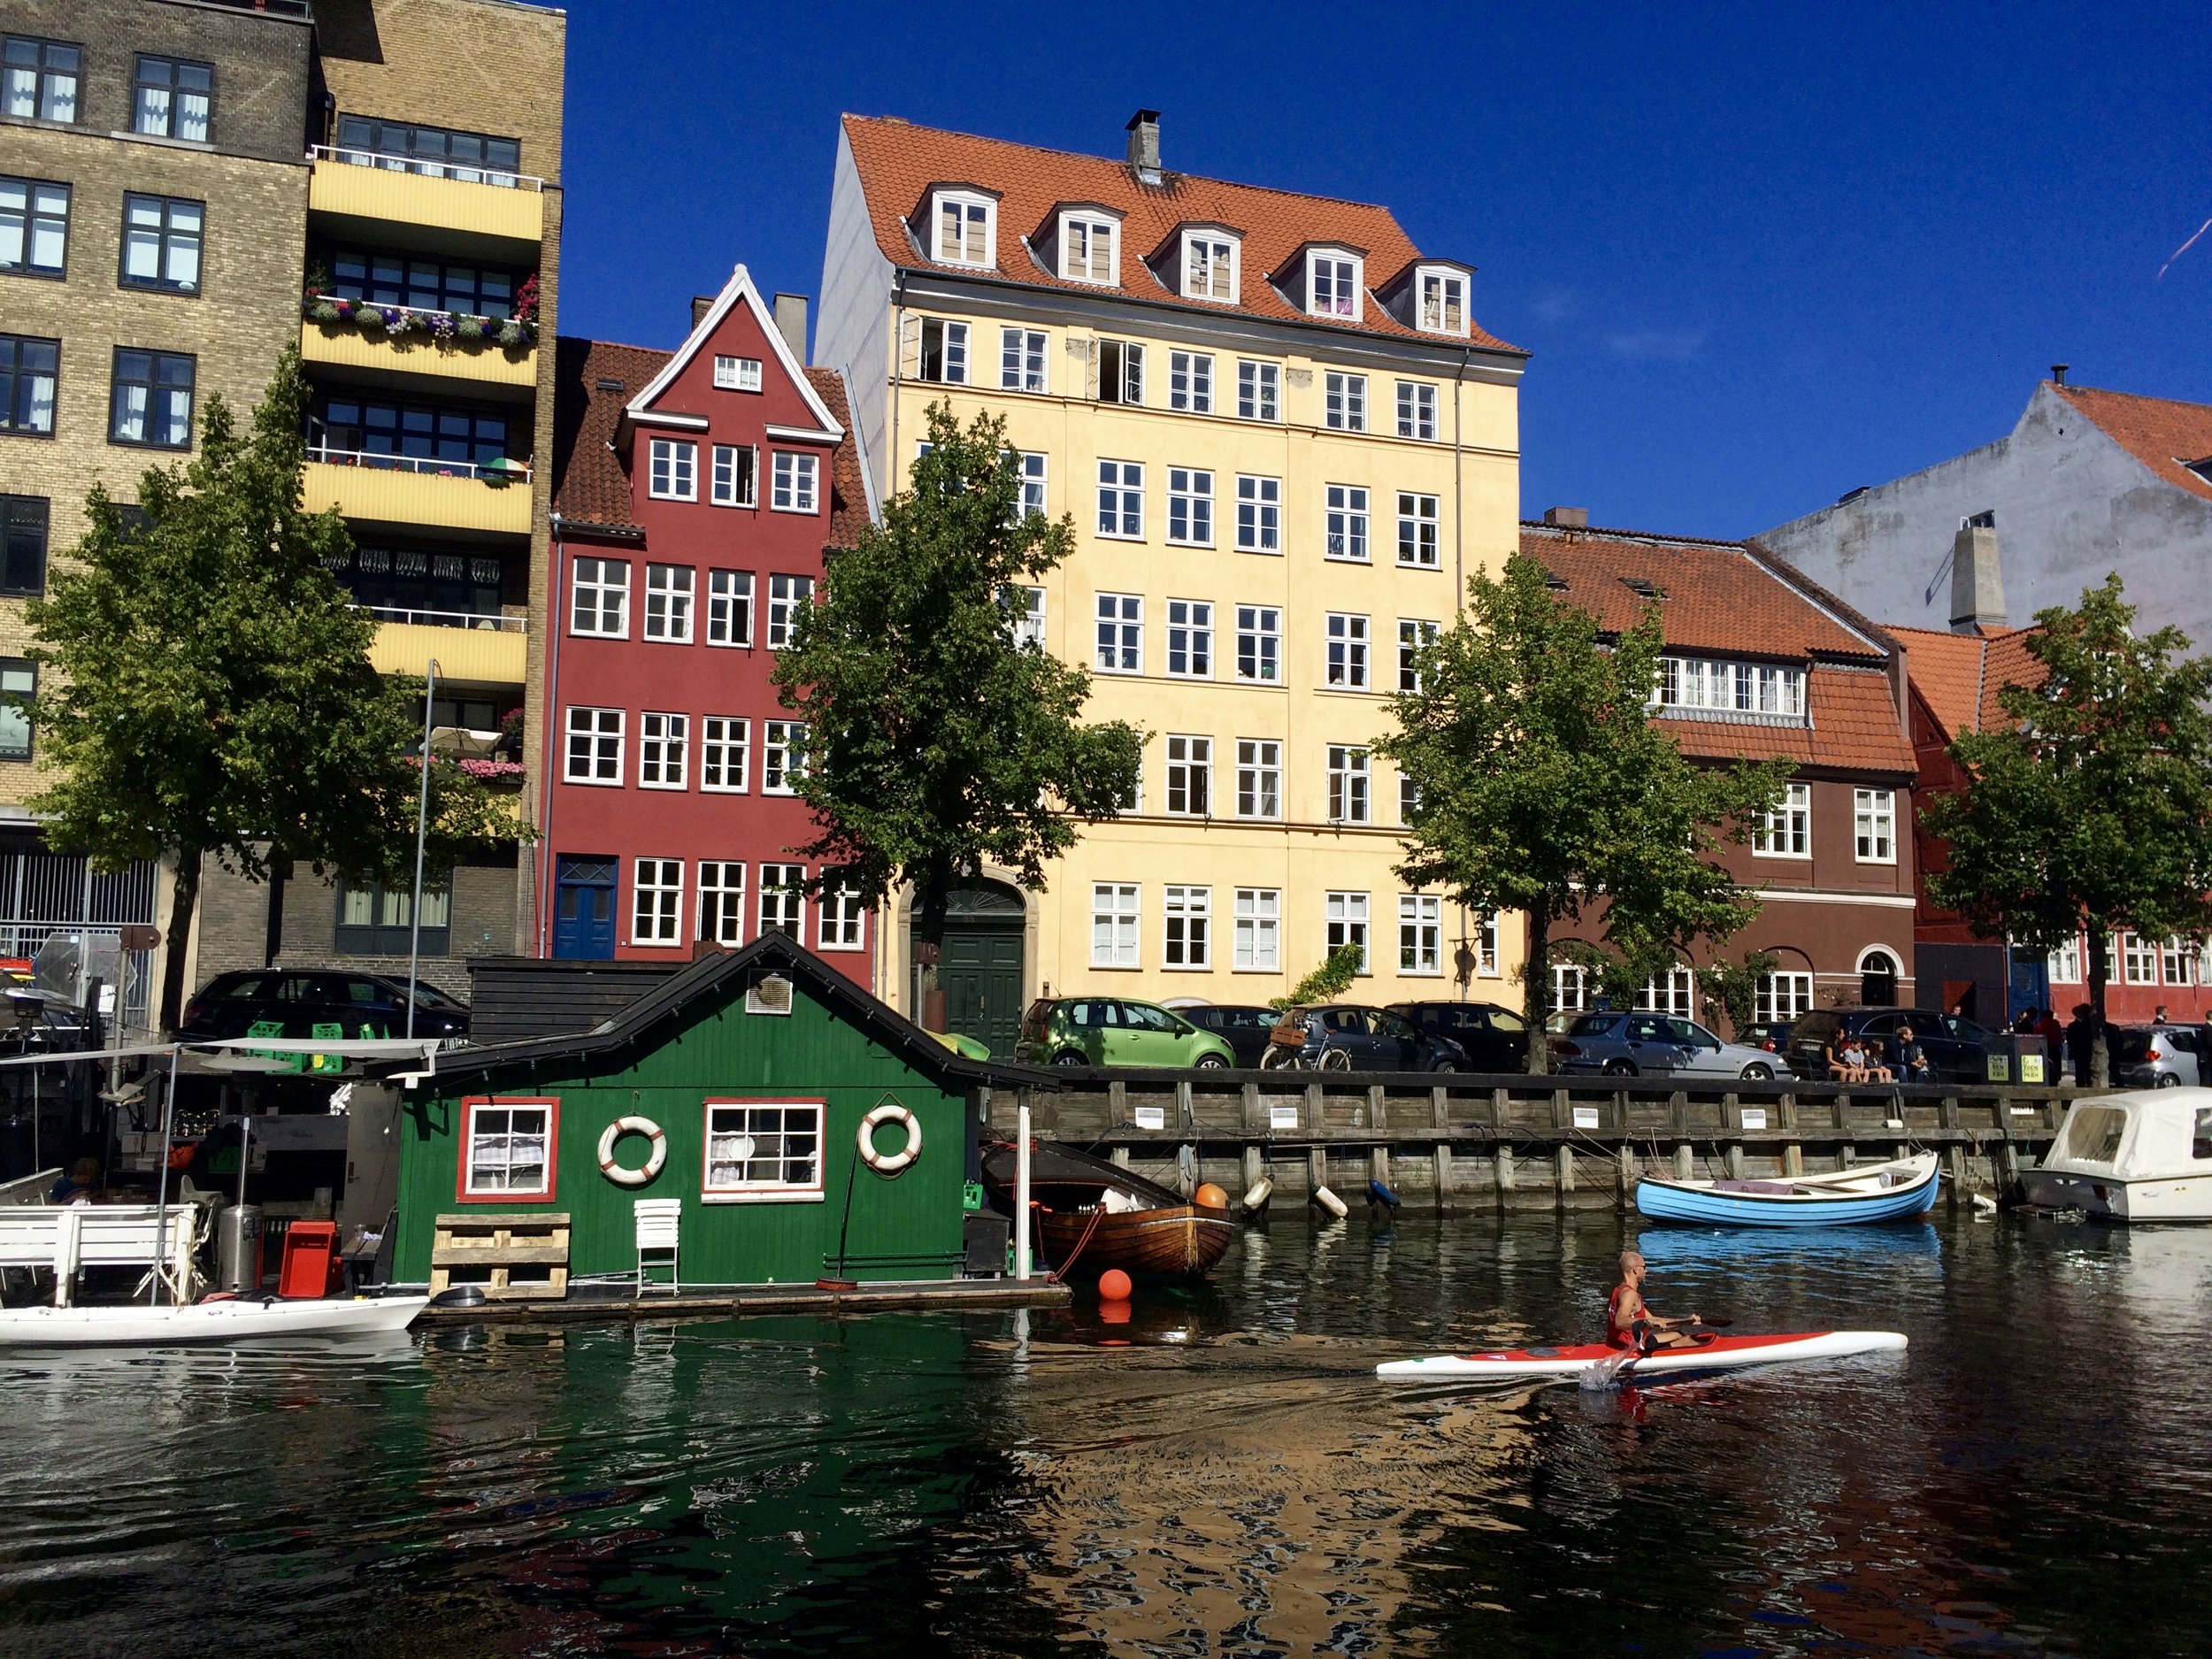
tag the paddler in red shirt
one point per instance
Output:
(1631, 1325)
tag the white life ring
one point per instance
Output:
(890, 1164)
(617, 1173)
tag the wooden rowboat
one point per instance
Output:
(1096, 1215)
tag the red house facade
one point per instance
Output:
(695, 495)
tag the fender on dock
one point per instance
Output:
(1331, 1202)
(1379, 1194)
(1257, 1199)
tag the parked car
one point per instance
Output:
(1494, 1039)
(1345, 1037)
(1957, 1048)
(1626, 1044)
(1773, 1035)
(1243, 1027)
(2155, 1057)
(360, 1004)
(1115, 1031)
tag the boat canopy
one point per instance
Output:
(2144, 1136)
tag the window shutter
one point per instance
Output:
(909, 347)
(1085, 352)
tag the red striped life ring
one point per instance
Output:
(621, 1175)
(890, 1163)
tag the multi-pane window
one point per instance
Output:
(769, 1150)
(1347, 784)
(436, 153)
(172, 98)
(782, 756)
(1331, 285)
(1874, 826)
(658, 902)
(722, 901)
(1033, 469)
(1026, 613)
(668, 589)
(1259, 778)
(674, 473)
(1420, 933)
(417, 437)
(1443, 303)
(1418, 540)
(785, 595)
(1260, 644)
(736, 478)
(1114, 915)
(1345, 522)
(509, 1146)
(1087, 248)
(963, 231)
(1785, 829)
(38, 79)
(1190, 638)
(1190, 382)
(1668, 992)
(1259, 514)
(1120, 372)
(28, 370)
(19, 678)
(942, 350)
(1121, 499)
(1697, 682)
(600, 602)
(2175, 960)
(723, 742)
(1570, 987)
(783, 900)
(664, 745)
(1186, 927)
(737, 375)
(1190, 506)
(1209, 268)
(1259, 912)
(1487, 947)
(843, 921)
(1417, 410)
(594, 746)
(1781, 997)
(1413, 639)
(2065, 965)
(1021, 359)
(1259, 388)
(1348, 651)
(1345, 915)
(23, 525)
(729, 607)
(1344, 401)
(430, 285)
(161, 242)
(1190, 774)
(151, 400)
(794, 486)
(1120, 634)
(2139, 959)
(1409, 798)
(379, 920)
(34, 227)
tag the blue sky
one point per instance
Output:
(1761, 254)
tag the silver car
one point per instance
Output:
(1660, 1045)
(2155, 1057)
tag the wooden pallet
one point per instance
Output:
(501, 1243)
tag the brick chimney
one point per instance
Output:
(1568, 518)
(1977, 584)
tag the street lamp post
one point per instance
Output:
(422, 830)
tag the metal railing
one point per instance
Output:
(499, 178)
(486, 619)
(43, 894)
(432, 313)
(431, 465)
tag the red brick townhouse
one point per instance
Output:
(695, 494)
(1762, 663)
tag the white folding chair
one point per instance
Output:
(657, 1221)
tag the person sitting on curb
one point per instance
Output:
(1912, 1059)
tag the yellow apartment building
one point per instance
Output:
(1285, 446)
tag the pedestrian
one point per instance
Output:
(2158, 1018)
(1912, 1059)
(2081, 1039)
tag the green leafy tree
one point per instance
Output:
(937, 741)
(1544, 788)
(2091, 809)
(209, 692)
(1734, 985)
(1325, 983)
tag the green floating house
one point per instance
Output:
(794, 1127)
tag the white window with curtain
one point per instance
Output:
(1113, 924)
(1209, 267)
(1874, 826)
(1487, 947)
(1088, 249)
(1021, 359)
(1258, 930)
(2065, 967)
(1786, 831)
(1259, 778)
(1420, 933)
(1344, 401)
(762, 1152)
(964, 229)
(510, 1148)
(1347, 784)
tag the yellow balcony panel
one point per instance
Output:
(479, 657)
(343, 345)
(369, 489)
(348, 189)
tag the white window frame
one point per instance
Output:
(1420, 935)
(1345, 921)
(738, 1125)
(1087, 228)
(609, 579)
(601, 729)
(1121, 500)
(782, 901)
(1190, 506)
(1672, 992)
(2065, 962)
(672, 469)
(1350, 779)
(1028, 608)
(1414, 637)
(782, 756)
(1416, 411)
(1257, 946)
(723, 489)
(1787, 832)
(1874, 826)
(797, 486)
(975, 211)
(1259, 390)
(1187, 929)
(543, 1132)
(1259, 513)
(726, 742)
(1335, 281)
(1690, 684)
(1347, 664)
(730, 608)
(1420, 531)
(1121, 373)
(841, 921)
(1344, 523)
(786, 594)
(722, 901)
(2139, 960)
(663, 749)
(1262, 627)
(656, 907)
(2176, 963)
(1437, 291)
(1783, 995)
(1206, 254)
(1190, 382)
(1190, 776)
(669, 592)
(1119, 647)
(1023, 362)
(1487, 946)
(1190, 638)
(1344, 401)
(1036, 475)
(1117, 924)
(737, 375)
(1260, 779)
(1569, 988)
(941, 350)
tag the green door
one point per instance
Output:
(982, 977)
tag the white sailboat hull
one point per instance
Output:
(223, 1323)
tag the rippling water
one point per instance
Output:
(1221, 1475)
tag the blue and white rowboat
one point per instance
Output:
(1866, 1192)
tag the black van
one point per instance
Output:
(1957, 1048)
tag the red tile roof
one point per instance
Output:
(848, 493)
(1853, 728)
(898, 162)
(1959, 675)
(2162, 432)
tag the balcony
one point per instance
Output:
(477, 651)
(428, 493)
(370, 187)
(403, 340)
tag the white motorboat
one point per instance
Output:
(2146, 1155)
(225, 1321)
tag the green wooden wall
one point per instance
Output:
(908, 1227)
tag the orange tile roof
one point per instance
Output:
(1959, 675)
(898, 162)
(2163, 433)
(1853, 728)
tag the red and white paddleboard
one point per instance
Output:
(1723, 1353)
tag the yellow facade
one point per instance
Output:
(426, 500)
(475, 655)
(1315, 865)
(343, 346)
(345, 190)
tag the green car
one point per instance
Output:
(1115, 1031)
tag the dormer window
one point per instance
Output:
(1089, 249)
(1443, 301)
(1332, 284)
(1210, 266)
(964, 229)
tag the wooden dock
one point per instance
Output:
(1481, 1144)
(724, 1301)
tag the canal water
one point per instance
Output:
(1221, 1474)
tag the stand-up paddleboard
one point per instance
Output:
(1723, 1353)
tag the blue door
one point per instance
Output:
(583, 908)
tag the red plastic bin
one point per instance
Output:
(311, 1259)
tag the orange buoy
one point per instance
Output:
(1113, 1285)
(1210, 1197)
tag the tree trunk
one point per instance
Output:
(1536, 985)
(182, 902)
(928, 926)
(2100, 970)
